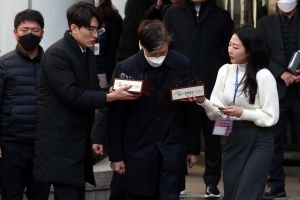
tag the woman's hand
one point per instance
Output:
(233, 111)
(196, 99)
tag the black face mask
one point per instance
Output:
(29, 41)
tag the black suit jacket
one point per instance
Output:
(270, 30)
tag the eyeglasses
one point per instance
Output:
(95, 31)
(33, 31)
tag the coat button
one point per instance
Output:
(158, 143)
(282, 52)
(158, 93)
(157, 118)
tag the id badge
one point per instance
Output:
(96, 49)
(222, 126)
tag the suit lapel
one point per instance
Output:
(203, 16)
(277, 29)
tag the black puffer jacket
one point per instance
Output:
(19, 81)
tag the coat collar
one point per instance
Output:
(143, 63)
(75, 46)
(206, 8)
(87, 60)
(24, 55)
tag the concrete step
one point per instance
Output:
(201, 197)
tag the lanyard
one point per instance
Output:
(237, 84)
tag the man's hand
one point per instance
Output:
(121, 94)
(118, 167)
(0, 153)
(191, 160)
(159, 3)
(98, 149)
(288, 78)
(297, 78)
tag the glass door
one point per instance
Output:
(248, 11)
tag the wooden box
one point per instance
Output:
(137, 86)
(181, 93)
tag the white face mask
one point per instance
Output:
(287, 5)
(155, 62)
(98, 3)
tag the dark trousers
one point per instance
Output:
(213, 150)
(118, 191)
(290, 104)
(16, 173)
(247, 157)
(117, 188)
(161, 194)
(64, 192)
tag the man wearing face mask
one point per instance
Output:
(281, 36)
(19, 73)
(151, 140)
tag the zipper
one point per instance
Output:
(197, 14)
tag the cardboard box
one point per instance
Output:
(137, 86)
(181, 93)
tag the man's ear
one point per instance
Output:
(73, 28)
(15, 34)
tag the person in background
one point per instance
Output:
(68, 96)
(106, 62)
(129, 41)
(245, 98)
(159, 9)
(109, 41)
(202, 31)
(281, 36)
(151, 140)
(19, 84)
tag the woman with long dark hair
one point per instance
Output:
(109, 41)
(244, 104)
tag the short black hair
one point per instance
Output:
(29, 15)
(153, 34)
(81, 14)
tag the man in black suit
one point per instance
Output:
(202, 32)
(68, 95)
(281, 36)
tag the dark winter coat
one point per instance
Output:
(109, 42)
(204, 40)
(19, 83)
(144, 130)
(67, 98)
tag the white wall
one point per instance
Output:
(8, 9)
(120, 5)
(54, 13)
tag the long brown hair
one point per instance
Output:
(107, 9)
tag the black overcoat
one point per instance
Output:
(143, 131)
(203, 41)
(67, 98)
